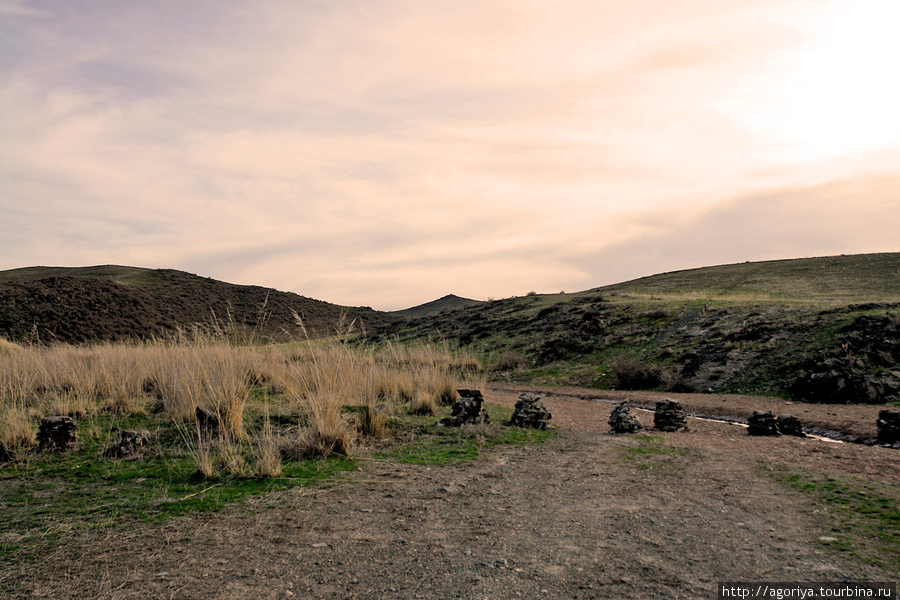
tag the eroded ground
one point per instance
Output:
(584, 515)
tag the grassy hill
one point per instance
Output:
(113, 303)
(435, 307)
(819, 329)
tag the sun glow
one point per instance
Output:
(837, 94)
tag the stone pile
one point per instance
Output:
(57, 434)
(764, 422)
(207, 422)
(888, 426)
(790, 425)
(530, 412)
(669, 416)
(622, 421)
(131, 443)
(467, 410)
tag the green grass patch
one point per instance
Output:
(429, 444)
(862, 516)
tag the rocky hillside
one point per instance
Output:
(825, 329)
(50, 304)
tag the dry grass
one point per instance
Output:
(316, 380)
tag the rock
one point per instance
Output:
(530, 412)
(888, 426)
(6, 453)
(467, 410)
(57, 434)
(207, 421)
(131, 443)
(669, 416)
(763, 422)
(790, 425)
(622, 421)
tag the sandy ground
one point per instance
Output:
(577, 517)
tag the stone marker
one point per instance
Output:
(131, 443)
(888, 426)
(622, 421)
(467, 410)
(530, 412)
(669, 416)
(207, 421)
(57, 434)
(790, 425)
(763, 422)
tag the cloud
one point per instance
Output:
(850, 216)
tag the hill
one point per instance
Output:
(111, 302)
(818, 329)
(435, 307)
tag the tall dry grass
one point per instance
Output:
(340, 391)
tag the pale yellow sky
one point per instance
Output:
(389, 153)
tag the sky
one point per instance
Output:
(388, 153)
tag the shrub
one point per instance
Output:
(631, 374)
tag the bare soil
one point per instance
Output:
(584, 515)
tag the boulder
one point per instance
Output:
(669, 416)
(888, 426)
(530, 412)
(467, 410)
(763, 422)
(131, 443)
(57, 434)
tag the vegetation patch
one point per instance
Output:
(861, 519)
(650, 451)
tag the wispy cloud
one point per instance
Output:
(388, 153)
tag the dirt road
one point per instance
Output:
(585, 515)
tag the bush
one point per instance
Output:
(631, 374)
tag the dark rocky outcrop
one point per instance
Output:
(467, 410)
(846, 381)
(57, 434)
(530, 412)
(622, 421)
(669, 416)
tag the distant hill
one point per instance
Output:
(448, 302)
(818, 329)
(102, 303)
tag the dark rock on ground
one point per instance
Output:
(530, 412)
(57, 434)
(888, 427)
(207, 421)
(669, 416)
(622, 421)
(131, 443)
(790, 425)
(763, 422)
(467, 410)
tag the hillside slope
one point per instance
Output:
(435, 307)
(825, 329)
(114, 303)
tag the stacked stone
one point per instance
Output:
(131, 443)
(207, 422)
(790, 425)
(763, 422)
(669, 416)
(530, 412)
(57, 434)
(622, 421)
(467, 410)
(888, 427)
